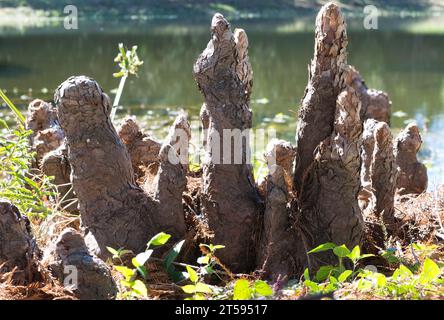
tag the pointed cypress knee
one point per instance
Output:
(113, 208)
(316, 115)
(230, 200)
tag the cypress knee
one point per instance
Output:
(229, 196)
(412, 174)
(113, 208)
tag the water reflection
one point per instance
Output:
(409, 66)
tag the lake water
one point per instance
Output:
(408, 65)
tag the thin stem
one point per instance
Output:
(118, 95)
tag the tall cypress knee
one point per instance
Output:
(229, 196)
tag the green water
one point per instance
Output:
(408, 65)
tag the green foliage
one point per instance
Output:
(403, 283)
(244, 290)
(129, 64)
(136, 288)
(13, 108)
(29, 191)
(207, 263)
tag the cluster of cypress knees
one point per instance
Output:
(337, 184)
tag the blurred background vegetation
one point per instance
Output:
(202, 8)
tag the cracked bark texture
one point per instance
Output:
(329, 209)
(113, 208)
(17, 245)
(47, 134)
(378, 173)
(375, 104)
(229, 196)
(317, 112)
(281, 248)
(143, 148)
(55, 164)
(179, 137)
(412, 174)
(69, 257)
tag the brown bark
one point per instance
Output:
(378, 177)
(316, 115)
(229, 195)
(89, 277)
(378, 174)
(17, 245)
(375, 104)
(412, 174)
(47, 134)
(142, 148)
(281, 252)
(113, 208)
(179, 137)
(329, 210)
(55, 164)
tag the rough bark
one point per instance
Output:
(143, 148)
(281, 248)
(47, 134)
(375, 104)
(317, 112)
(77, 269)
(55, 164)
(114, 209)
(412, 174)
(17, 245)
(229, 195)
(329, 210)
(378, 173)
(179, 136)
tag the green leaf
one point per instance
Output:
(306, 274)
(203, 288)
(355, 255)
(126, 272)
(140, 288)
(430, 272)
(332, 280)
(261, 288)
(194, 277)
(170, 258)
(344, 276)
(143, 272)
(312, 286)
(323, 247)
(190, 288)
(341, 251)
(241, 290)
(159, 239)
(142, 258)
(323, 273)
(203, 259)
(114, 252)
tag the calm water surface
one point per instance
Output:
(409, 66)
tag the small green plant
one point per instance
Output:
(244, 290)
(207, 263)
(129, 63)
(13, 108)
(136, 288)
(30, 191)
(416, 281)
